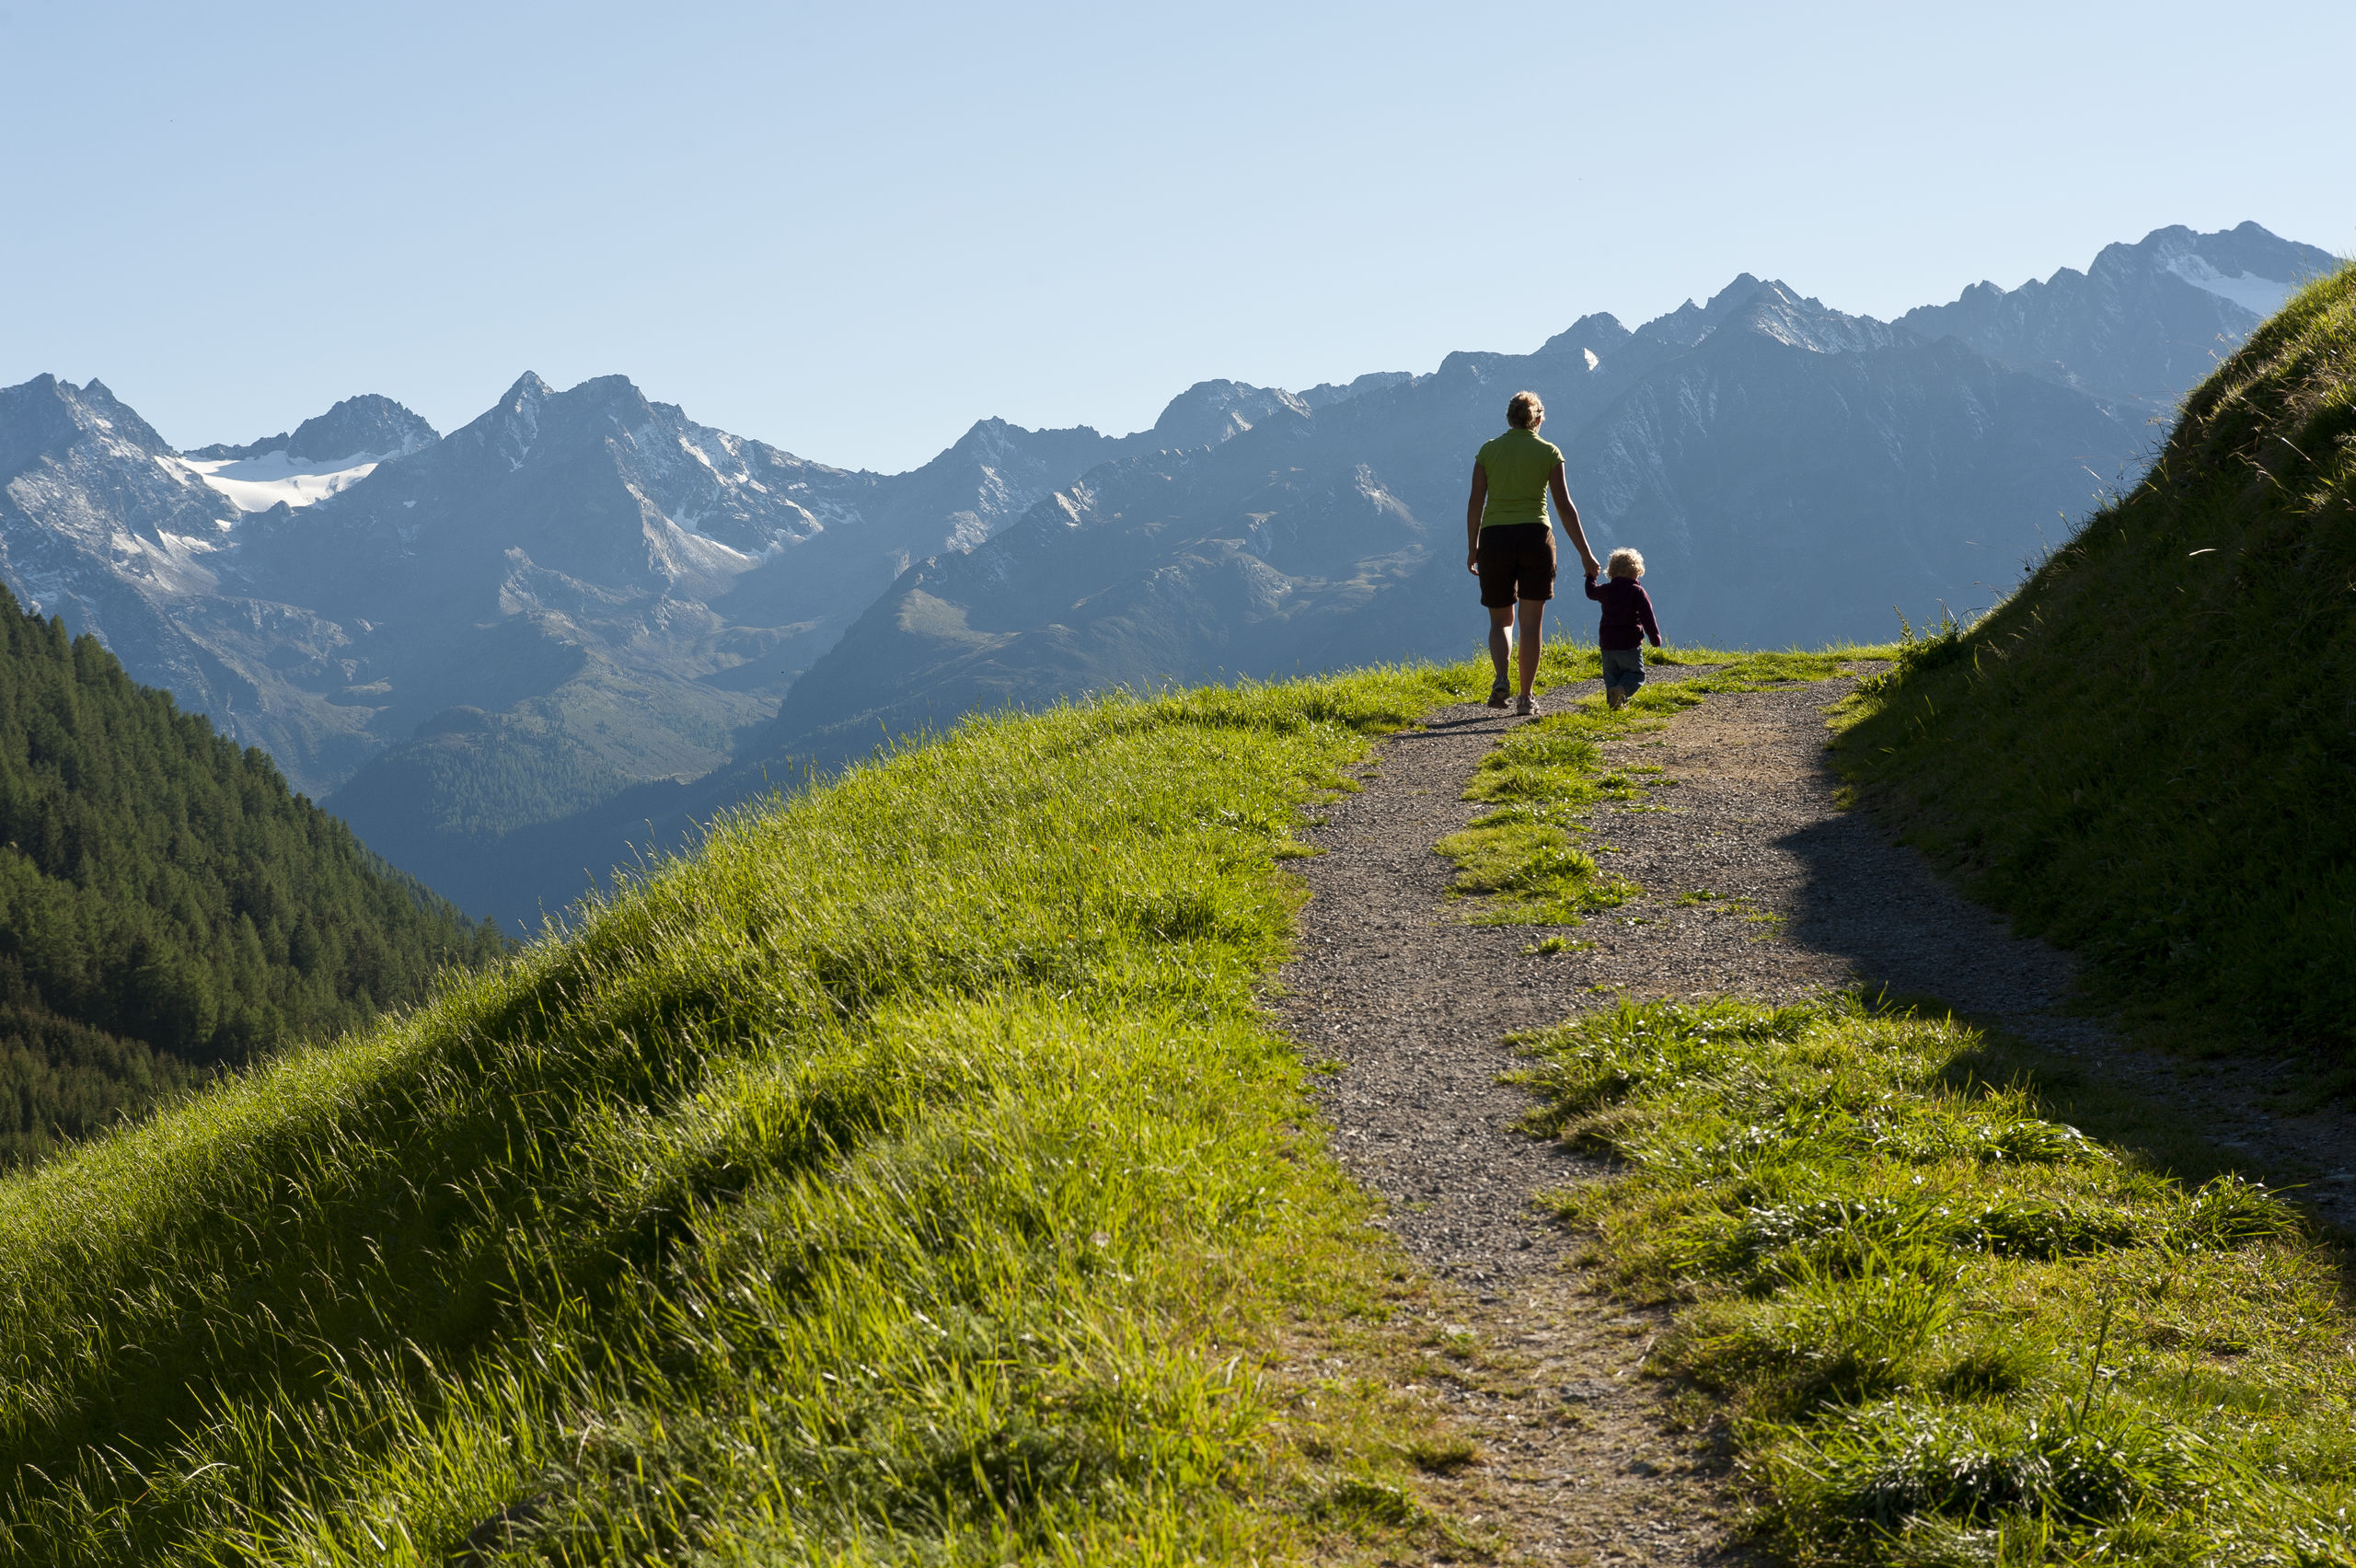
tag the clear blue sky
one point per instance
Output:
(850, 230)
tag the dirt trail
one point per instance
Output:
(1756, 885)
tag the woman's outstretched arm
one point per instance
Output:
(1570, 516)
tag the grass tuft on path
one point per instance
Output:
(910, 1175)
(1523, 860)
(1951, 1327)
(2143, 755)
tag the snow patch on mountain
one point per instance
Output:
(2259, 296)
(256, 484)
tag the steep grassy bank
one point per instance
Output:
(1951, 1328)
(910, 1176)
(2144, 754)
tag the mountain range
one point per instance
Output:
(503, 652)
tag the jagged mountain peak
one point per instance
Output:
(2246, 251)
(2143, 321)
(1325, 394)
(1735, 293)
(531, 409)
(323, 456)
(1775, 311)
(1596, 335)
(84, 477)
(369, 426)
(609, 394)
(1770, 308)
(994, 440)
(591, 409)
(2246, 264)
(1210, 412)
(369, 422)
(528, 388)
(985, 439)
(605, 496)
(1690, 323)
(47, 414)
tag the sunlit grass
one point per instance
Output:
(1523, 860)
(909, 1175)
(1953, 1328)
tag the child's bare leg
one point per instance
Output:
(1533, 612)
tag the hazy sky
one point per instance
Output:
(851, 230)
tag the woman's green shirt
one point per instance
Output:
(1519, 463)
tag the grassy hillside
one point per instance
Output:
(910, 1176)
(2144, 755)
(1948, 1326)
(166, 905)
(1949, 1298)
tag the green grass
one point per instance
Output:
(1523, 860)
(1950, 1327)
(911, 1175)
(2144, 755)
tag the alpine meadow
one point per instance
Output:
(1066, 1022)
(908, 1175)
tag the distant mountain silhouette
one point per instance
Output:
(1792, 473)
(368, 425)
(496, 650)
(2145, 324)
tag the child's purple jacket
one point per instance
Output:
(1627, 613)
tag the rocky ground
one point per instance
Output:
(1755, 885)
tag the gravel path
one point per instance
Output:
(1755, 885)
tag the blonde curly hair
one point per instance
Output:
(1624, 563)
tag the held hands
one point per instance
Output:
(1472, 562)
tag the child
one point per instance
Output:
(1627, 621)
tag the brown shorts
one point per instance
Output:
(1517, 562)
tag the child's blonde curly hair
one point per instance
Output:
(1624, 563)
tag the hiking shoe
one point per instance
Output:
(1523, 707)
(1499, 694)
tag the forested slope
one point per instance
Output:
(2144, 755)
(166, 905)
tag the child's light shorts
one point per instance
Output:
(1624, 669)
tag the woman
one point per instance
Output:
(1508, 543)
